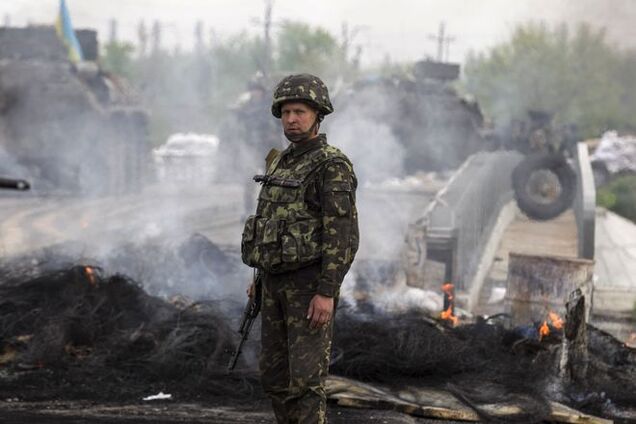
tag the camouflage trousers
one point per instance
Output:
(294, 358)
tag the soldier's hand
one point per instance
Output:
(251, 290)
(320, 310)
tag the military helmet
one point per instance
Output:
(304, 88)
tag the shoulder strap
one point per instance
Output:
(273, 154)
(324, 156)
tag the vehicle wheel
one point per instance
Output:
(544, 185)
(601, 174)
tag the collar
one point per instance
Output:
(295, 150)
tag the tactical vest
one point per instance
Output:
(285, 234)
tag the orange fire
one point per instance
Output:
(449, 290)
(631, 340)
(449, 316)
(544, 330)
(449, 304)
(557, 322)
(90, 274)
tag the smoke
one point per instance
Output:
(361, 128)
(72, 134)
(616, 17)
(95, 197)
(362, 131)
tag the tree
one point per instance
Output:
(117, 58)
(579, 77)
(301, 48)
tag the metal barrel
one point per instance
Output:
(11, 184)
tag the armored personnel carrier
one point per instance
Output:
(437, 127)
(70, 127)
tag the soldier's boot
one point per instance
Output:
(309, 408)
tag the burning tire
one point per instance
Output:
(544, 186)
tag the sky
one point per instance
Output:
(397, 29)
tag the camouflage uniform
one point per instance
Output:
(303, 239)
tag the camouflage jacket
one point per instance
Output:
(306, 214)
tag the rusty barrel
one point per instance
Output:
(539, 284)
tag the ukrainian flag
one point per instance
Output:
(64, 30)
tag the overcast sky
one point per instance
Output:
(397, 28)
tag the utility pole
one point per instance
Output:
(142, 36)
(346, 39)
(265, 61)
(112, 37)
(199, 44)
(443, 42)
(348, 36)
(267, 25)
(156, 37)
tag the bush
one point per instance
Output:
(619, 196)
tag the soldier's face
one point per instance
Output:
(297, 118)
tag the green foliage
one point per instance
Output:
(236, 61)
(117, 58)
(605, 198)
(195, 91)
(580, 77)
(302, 48)
(620, 196)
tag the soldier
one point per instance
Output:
(302, 240)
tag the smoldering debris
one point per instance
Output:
(78, 333)
(484, 364)
(75, 323)
(192, 267)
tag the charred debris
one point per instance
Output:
(72, 331)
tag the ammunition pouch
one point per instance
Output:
(276, 246)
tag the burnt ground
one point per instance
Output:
(30, 401)
(166, 412)
(80, 346)
(75, 395)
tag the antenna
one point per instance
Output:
(443, 42)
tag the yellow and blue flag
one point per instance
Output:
(64, 29)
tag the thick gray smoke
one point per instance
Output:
(369, 142)
(81, 140)
(105, 197)
(363, 131)
(616, 16)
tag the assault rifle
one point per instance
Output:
(250, 313)
(8, 183)
(277, 181)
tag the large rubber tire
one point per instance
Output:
(531, 202)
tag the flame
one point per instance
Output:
(449, 316)
(557, 322)
(448, 289)
(631, 340)
(90, 274)
(544, 330)
(449, 304)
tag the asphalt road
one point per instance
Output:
(29, 222)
